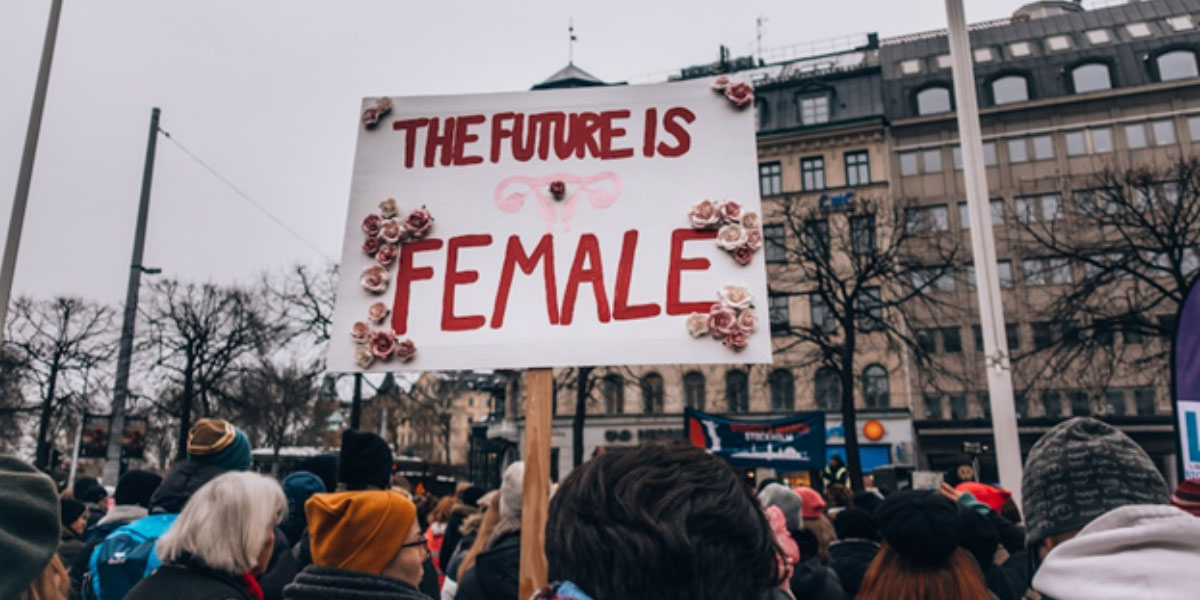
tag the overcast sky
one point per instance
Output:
(267, 92)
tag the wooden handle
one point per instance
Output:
(539, 391)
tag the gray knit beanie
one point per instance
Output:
(789, 502)
(511, 486)
(29, 526)
(1081, 469)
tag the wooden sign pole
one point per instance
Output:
(539, 394)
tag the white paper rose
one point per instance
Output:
(750, 220)
(736, 296)
(388, 208)
(697, 324)
(375, 279)
(363, 356)
(731, 236)
(704, 214)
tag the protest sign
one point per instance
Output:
(1186, 384)
(795, 443)
(553, 228)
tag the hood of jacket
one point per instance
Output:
(326, 583)
(1138, 551)
(180, 484)
(123, 513)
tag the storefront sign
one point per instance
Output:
(795, 443)
(93, 442)
(842, 202)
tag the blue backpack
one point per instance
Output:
(124, 558)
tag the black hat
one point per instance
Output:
(135, 488)
(868, 501)
(70, 510)
(855, 522)
(921, 525)
(88, 489)
(365, 461)
(979, 536)
(324, 466)
(471, 495)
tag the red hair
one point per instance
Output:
(891, 576)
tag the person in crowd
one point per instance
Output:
(29, 534)
(659, 522)
(465, 505)
(816, 521)
(920, 558)
(868, 500)
(472, 544)
(1187, 496)
(992, 496)
(74, 520)
(857, 545)
(835, 472)
(1098, 519)
(220, 543)
(324, 466)
(787, 557)
(89, 491)
(127, 555)
(789, 503)
(366, 545)
(132, 502)
(492, 574)
(982, 541)
(840, 498)
(812, 579)
(298, 487)
(436, 533)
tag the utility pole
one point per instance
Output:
(116, 426)
(983, 247)
(356, 402)
(15, 223)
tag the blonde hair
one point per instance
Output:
(52, 584)
(225, 523)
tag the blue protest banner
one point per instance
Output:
(795, 443)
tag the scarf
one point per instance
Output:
(327, 583)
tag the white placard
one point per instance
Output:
(633, 161)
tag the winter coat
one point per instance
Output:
(496, 571)
(453, 535)
(850, 559)
(117, 516)
(70, 546)
(298, 488)
(814, 581)
(1136, 551)
(281, 570)
(180, 484)
(95, 513)
(326, 583)
(189, 581)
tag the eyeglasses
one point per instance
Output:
(421, 543)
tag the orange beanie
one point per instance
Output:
(359, 531)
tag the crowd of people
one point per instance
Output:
(658, 521)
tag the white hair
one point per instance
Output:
(225, 523)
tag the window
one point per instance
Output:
(908, 163)
(812, 173)
(1003, 273)
(910, 67)
(1012, 333)
(1143, 398)
(1135, 136)
(816, 238)
(737, 392)
(1031, 209)
(927, 219)
(1052, 403)
(944, 61)
(1138, 30)
(951, 340)
(820, 313)
(1058, 42)
(1164, 132)
(870, 310)
(1090, 77)
(1017, 151)
(1194, 129)
(1105, 334)
(933, 406)
(775, 243)
(652, 393)
(828, 389)
(862, 234)
(875, 386)
(977, 332)
(693, 389)
(783, 391)
(927, 341)
(1180, 23)
(958, 407)
(1011, 88)
(858, 168)
(983, 55)
(1081, 405)
(933, 100)
(1114, 403)
(1021, 403)
(989, 154)
(1076, 143)
(762, 113)
(1177, 64)
(1098, 36)
(956, 157)
(1019, 49)
(779, 312)
(1101, 140)
(614, 394)
(1043, 334)
(770, 179)
(1132, 334)
(932, 160)
(814, 110)
(1043, 147)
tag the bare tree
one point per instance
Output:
(13, 409)
(58, 341)
(304, 299)
(275, 402)
(869, 271)
(200, 336)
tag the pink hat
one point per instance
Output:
(1187, 496)
(782, 537)
(814, 504)
(994, 497)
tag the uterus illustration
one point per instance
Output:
(600, 191)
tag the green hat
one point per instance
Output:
(29, 525)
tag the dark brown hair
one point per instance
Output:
(891, 576)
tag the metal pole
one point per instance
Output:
(116, 427)
(15, 222)
(356, 403)
(75, 452)
(983, 245)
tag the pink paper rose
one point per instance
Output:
(735, 341)
(362, 356)
(697, 324)
(747, 321)
(370, 117)
(388, 208)
(754, 238)
(743, 254)
(375, 279)
(405, 350)
(704, 214)
(386, 254)
(750, 220)
(382, 344)
(740, 93)
(391, 231)
(721, 82)
(418, 222)
(359, 332)
(370, 225)
(722, 321)
(377, 312)
(371, 245)
(731, 212)
(731, 236)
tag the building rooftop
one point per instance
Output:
(568, 77)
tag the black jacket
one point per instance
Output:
(180, 484)
(496, 572)
(850, 559)
(453, 535)
(188, 582)
(325, 583)
(281, 570)
(815, 581)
